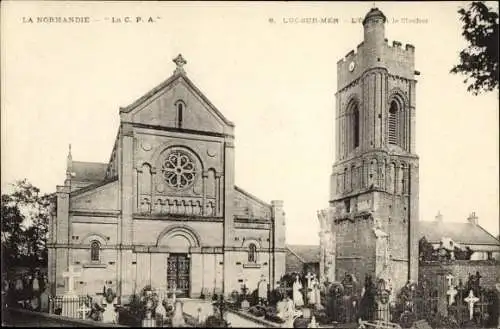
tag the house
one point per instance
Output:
(467, 234)
(302, 258)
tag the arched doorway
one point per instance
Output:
(179, 240)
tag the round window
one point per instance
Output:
(179, 169)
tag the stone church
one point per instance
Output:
(370, 225)
(165, 211)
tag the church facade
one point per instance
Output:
(165, 211)
(370, 225)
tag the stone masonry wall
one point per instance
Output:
(489, 270)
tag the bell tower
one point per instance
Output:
(374, 180)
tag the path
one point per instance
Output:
(191, 307)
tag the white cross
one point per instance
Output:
(71, 274)
(309, 276)
(84, 309)
(452, 292)
(450, 278)
(471, 300)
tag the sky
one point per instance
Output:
(271, 74)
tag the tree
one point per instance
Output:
(25, 220)
(479, 60)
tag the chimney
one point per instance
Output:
(439, 217)
(473, 218)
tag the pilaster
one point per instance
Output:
(228, 208)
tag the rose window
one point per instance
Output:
(179, 169)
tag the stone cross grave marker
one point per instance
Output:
(83, 311)
(309, 277)
(174, 291)
(71, 274)
(452, 292)
(450, 278)
(471, 300)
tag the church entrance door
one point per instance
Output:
(178, 273)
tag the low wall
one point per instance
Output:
(20, 317)
(461, 269)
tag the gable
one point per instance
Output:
(306, 253)
(248, 206)
(159, 108)
(99, 197)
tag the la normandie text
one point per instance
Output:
(57, 19)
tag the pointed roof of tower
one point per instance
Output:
(374, 12)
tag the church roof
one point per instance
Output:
(178, 74)
(306, 253)
(251, 196)
(463, 233)
(88, 171)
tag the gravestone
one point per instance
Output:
(452, 292)
(262, 289)
(471, 300)
(44, 301)
(109, 301)
(160, 311)
(313, 323)
(178, 317)
(334, 301)
(308, 294)
(281, 308)
(384, 311)
(148, 322)
(36, 286)
(70, 298)
(298, 299)
(84, 311)
(421, 324)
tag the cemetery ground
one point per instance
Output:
(298, 301)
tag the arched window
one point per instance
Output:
(355, 123)
(252, 253)
(393, 122)
(95, 249)
(353, 131)
(180, 110)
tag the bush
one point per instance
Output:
(439, 321)
(257, 310)
(321, 316)
(301, 323)
(272, 315)
(215, 322)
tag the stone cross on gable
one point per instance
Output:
(450, 278)
(180, 62)
(71, 274)
(452, 292)
(471, 300)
